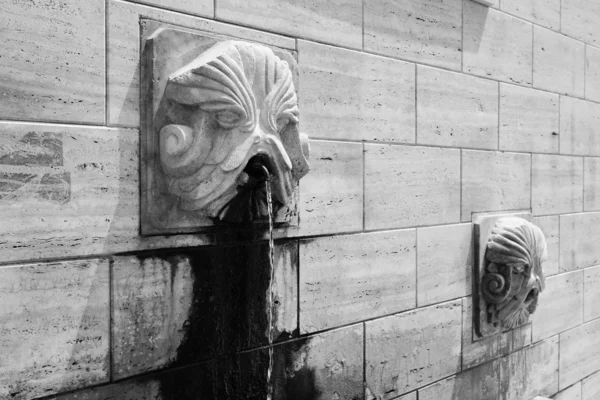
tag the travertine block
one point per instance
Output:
(580, 19)
(579, 238)
(572, 393)
(199, 7)
(428, 178)
(123, 52)
(346, 279)
(494, 181)
(543, 12)
(427, 31)
(592, 73)
(590, 387)
(456, 110)
(579, 353)
(557, 184)
(410, 350)
(591, 184)
(338, 22)
(345, 94)
(579, 122)
(560, 305)
(591, 293)
(558, 63)
(549, 226)
(331, 195)
(55, 327)
(52, 64)
(481, 383)
(444, 255)
(496, 45)
(489, 348)
(528, 120)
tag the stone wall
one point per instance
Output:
(420, 113)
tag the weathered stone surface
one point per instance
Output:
(71, 191)
(123, 52)
(496, 45)
(494, 181)
(54, 324)
(52, 63)
(481, 383)
(428, 179)
(444, 255)
(557, 184)
(346, 94)
(528, 120)
(590, 387)
(331, 195)
(426, 31)
(579, 123)
(549, 226)
(558, 63)
(406, 351)
(591, 184)
(346, 279)
(579, 353)
(456, 110)
(543, 12)
(560, 305)
(580, 19)
(490, 348)
(338, 22)
(591, 294)
(572, 393)
(199, 7)
(579, 238)
(592, 73)
(182, 308)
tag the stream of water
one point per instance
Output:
(272, 277)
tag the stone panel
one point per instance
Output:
(123, 52)
(346, 94)
(54, 324)
(198, 7)
(410, 350)
(338, 22)
(572, 393)
(560, 305)
(592, 73)
(590, 387)
(591, 184)
(543, 12)
(456, 110)
(52, 63)
(580, 121)
(346, 279)
(591, 293)
(579, 238)
(549, 226)
(427, 31)
(558, 63)
(580, 19)
(579, 353)
(557, 184)
(481, 383)
(444, 267)
(528, 120)
(496, 45)
(494, 181)
(428, 180)
(331, 195)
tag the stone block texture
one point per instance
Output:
(419, 114)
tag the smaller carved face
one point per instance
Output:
(514, 277)
(232, 123)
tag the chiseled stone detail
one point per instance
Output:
(225, 122)
(510, 272)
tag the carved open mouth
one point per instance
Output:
(250, 204)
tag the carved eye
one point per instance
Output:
(228, 119)
(282, 122)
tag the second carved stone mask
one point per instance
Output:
(232, 120)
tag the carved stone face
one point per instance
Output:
(514, 275)
(232, 122)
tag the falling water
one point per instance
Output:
(272, 274)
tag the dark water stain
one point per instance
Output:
(36, 148)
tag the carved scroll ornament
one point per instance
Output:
(513, 276)
(234, 110)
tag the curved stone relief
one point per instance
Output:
(510, 275)
(227, 121)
